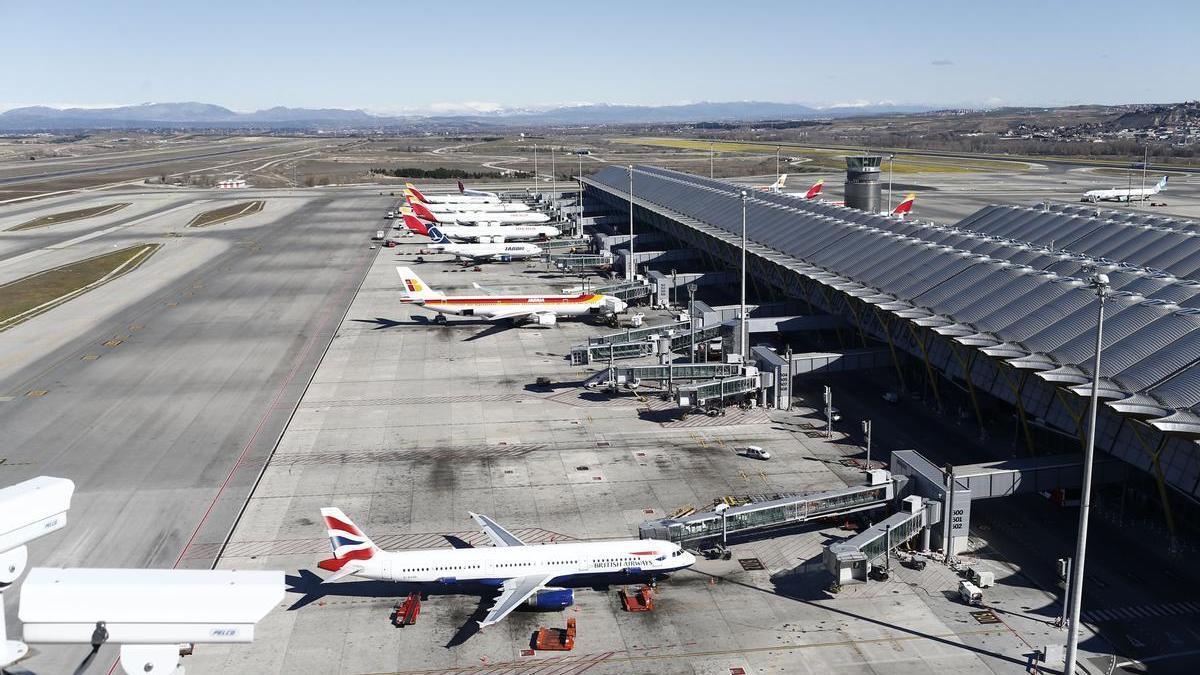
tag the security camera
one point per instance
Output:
(28, 510)
(152, 614)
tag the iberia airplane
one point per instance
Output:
(543, 310)
(811, 193)
(414, 197)
(445, 216)
(461, 198)
(538, 576)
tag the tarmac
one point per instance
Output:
(407, 426)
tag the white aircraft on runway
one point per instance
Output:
(1124, 194)
(440, 216)
(413, 198)
(777, 186)
(810, 193)
(474, 193)
(543, 310)
(486, 233)
(538, 576)
(461, 198)
(499, 252)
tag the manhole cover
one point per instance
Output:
(985, 617)
(815, 434)
(751, 564)
(603, 444)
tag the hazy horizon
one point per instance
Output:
(454, 58)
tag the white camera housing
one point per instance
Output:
(149, 612)
(28, 510)
(31, 509)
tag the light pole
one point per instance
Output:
(535, 168)
(891, 170)
(744, 329)
(673, 295)
(777, 164)
(721, 509)
(629, 267)
(692, 321)
(1100, 284)
(710, 160)
(580, 221)
(866, 427)
(828, 412)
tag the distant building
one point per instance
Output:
(230, 183)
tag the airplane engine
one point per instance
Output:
(551, 598)
(545, 319)
(505, 258)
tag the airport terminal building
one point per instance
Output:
(993, 316)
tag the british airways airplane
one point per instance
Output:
(538, 576)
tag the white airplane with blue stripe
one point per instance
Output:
(537, 576)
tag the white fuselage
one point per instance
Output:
(485, 217)
(1123, 194)
(492, 306)
(492, 233)
(505, 207)
(630, 556)
(494, 251)
(462, 199)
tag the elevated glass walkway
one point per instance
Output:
(709, 526)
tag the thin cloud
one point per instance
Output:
(941, 62)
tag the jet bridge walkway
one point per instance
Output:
(634, 343)
(574, 261)
(707, 527)
(661, 374)
(718, 390)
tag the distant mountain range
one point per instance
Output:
(193, 115)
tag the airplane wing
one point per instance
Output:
(516, 591)
(498, 535)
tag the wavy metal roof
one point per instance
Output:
(1008, 280)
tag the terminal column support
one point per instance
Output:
(857, 320)
(887, 330)
(937, 395)
(1017, 388)
(966, 366)
(951, 485)
(1159, 479)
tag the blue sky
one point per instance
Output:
(434, 55)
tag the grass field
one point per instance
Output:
(832, 159)
(67, 216)
(29, 296)
(226, 213)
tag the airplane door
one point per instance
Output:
(585, 564)
(387, 569)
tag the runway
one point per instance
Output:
(166, 389)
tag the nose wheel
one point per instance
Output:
(440, 319)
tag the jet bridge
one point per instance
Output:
(661, 374)
(707, 527)
(637, 342)
(851, 560)
(703, 393)
(575, 261)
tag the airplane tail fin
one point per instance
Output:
(1162, 184)
(437, 236)
(415, 225)
(414, 288)
(815, 189)
(782, 180)
(423, 213)
(348, 542)
(411, 197)
(906, 205)
(413, 188)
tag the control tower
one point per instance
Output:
(862, 182)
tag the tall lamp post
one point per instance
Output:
(692, 320)
(579, 233)
(743, 334)
(535, 168)
(710, 160)
(1075, 590)
(553, 176)
(777, 164)
(629, 267)
(891, 170)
